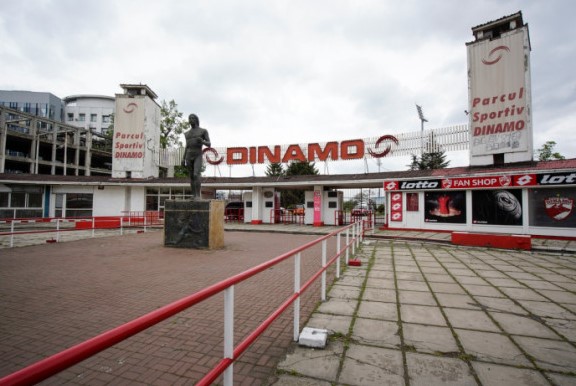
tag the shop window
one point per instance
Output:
(412, 202)
(4, 199)
(18, 200)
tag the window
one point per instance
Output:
(93, 117)
(106, 119)
(82, 117)
(70, 117)
(79, 204)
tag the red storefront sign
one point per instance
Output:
(477, 182)
(396, 206)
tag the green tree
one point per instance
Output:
(172, 125)
(434, 157)
(297, 168)
(545, 153)
(275, 169)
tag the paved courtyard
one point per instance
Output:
(414, 313)
(430, 314)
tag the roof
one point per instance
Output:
(337, 181)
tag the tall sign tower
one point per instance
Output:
(136, 141)
(499, 92)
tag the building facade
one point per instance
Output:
(93, 112)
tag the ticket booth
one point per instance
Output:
(321, 206)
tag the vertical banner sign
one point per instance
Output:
(317, 206)
(128, 143)
(499, 97)
(396, 206)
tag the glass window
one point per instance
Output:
(18, 200)
(34, 200)
(4, 199)
(412, 202)
(82, 117)
(70, 117)
(106, 119)
(93, 117)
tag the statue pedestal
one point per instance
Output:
(197, 224)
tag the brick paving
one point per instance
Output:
(53, 296)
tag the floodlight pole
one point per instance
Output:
(422, 120)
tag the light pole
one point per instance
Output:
(422, 120)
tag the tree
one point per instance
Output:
(434, 157)
(275, 169)
(172, 125)
(297, 168)
(545, 152)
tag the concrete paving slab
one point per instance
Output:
(344, 292)
(422, 314)
(490, 273)
(541, 285)
(562, 380)
(378, 310)
(427, 370)
(338, 307)
(319, 364)
(506, 282)
(474, 320)
(416, 297)
(380, 295)
(547, 309)
(381, 274)
(482, 290)
(499, 304)
(289, 380)
(339, 324)
(523, 294)
(448, 288)
(429, 339)
(493, 374)
(523, 325)
(470, 280)
(372, 366)
(456, 301)
(439, 278)
(550, 354)
(348, 280)
(380, 283)
(559, 296)
(376, 333)
(565, 327)
(410, 285)
(412, 276)
(492, 347)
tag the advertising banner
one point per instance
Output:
(497, 207)
(445, 207)
(396, 207)
(552, 207)
(499, 105)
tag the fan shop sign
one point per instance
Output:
(484, 182)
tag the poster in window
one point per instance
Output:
(552, 207)
(412, 202)
(445, 207)
(497, 207)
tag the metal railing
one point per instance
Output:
(54, 228)
(54, 364)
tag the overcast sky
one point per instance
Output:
(280, 72)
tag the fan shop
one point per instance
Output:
(528, 203)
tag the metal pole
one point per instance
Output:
(229, 334)
(338, 249)
(297, 301)
(324, 271)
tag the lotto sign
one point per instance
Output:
(396, 207)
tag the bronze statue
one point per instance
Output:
(196, 137)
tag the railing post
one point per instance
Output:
(297, 301)
(11, 234)
(353, 238)
(229, 334)
(145, 222)
(347, 245)
(338, 249)
(93, 226)
(324, 270)
(121, 225)
(58, 230)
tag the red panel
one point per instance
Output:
(492, 240)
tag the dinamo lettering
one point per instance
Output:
(129, 154)
(499, 128)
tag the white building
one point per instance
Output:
(92, 112)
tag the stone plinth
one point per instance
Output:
(197, 224)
